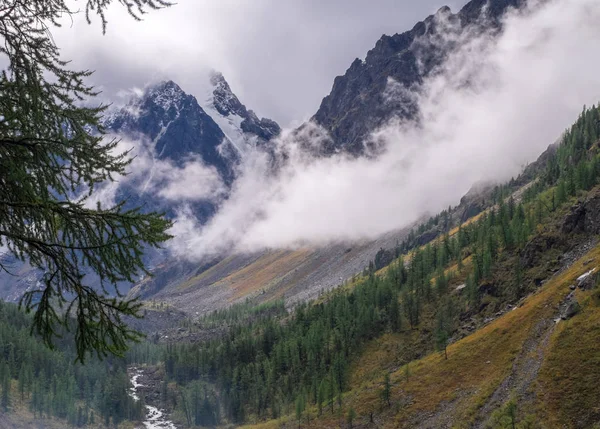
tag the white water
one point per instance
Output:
(155, 418)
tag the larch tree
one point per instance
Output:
(53, 157)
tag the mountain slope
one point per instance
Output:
(358, 104)
(295, 275)
(175, 129)
(520, 356)
(487, 296)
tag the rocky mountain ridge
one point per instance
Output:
(358, 104)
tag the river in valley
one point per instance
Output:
(155, 418)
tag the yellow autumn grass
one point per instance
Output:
(478, 363)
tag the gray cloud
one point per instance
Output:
(193, 181)
(280, 56)
(525, 88)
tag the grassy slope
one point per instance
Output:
(568, 382)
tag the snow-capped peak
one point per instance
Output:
(221, 104)
(165, 94)
(241, 126)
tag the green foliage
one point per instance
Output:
(444, 326)
(53, 385)
(51, 150)
(507, 417)
(350, 417)
(386, 392)
(300, 406)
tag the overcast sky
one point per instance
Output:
(525, 86)
(279, 56)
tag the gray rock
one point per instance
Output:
(359, 101)
(587, 280)
(571, 309)
(584, 216)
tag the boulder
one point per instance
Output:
(540, 244)
(570, 310)
(488, 288)
(383, 258)
(569, 307)
(587, 281)
(592, 213)
(574, 222)
(427, 237)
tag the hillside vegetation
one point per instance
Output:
(459, 332)
(46, 388)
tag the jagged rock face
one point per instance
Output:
(584, 217)
(218, 129)
(244, 121)
(358, 103)
(538, 246)
(177, 126)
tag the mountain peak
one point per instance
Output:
(357, 103)
(241, 125)
(223, 98)
(166, 94)
(217, 78)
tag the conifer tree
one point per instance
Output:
(395, 317)
(5, 398)
(300, 405)
(351, 416)
(442, 333)
(386, 391)
(53, 157)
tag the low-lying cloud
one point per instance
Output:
(192, 181)
(497, 104)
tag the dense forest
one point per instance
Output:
(53, 385)
(279, 363)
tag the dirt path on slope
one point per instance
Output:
(524, 372)
(528, 362)
(518, 383)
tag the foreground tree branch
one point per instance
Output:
(52, 158)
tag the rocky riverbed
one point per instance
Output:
(155, 418)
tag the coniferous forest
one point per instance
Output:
(275, 361)
(53, 385)
(268, 366)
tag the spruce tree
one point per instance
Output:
(5, 398)
(300, 405)
(442, 333)
(351, 416)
